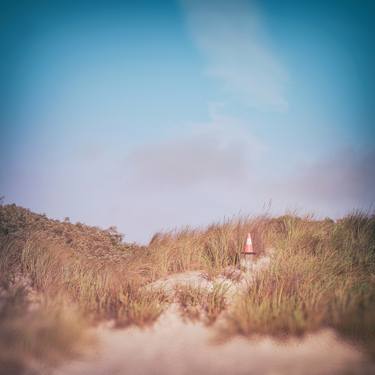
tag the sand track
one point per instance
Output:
(175, 347)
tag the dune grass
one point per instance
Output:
(60, 259)
(322, 272)
(197, 303)
(141, 307)
(322, 275)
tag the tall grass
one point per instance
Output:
(321, 275)
(198, 303)
(105, 276)
(212, 250)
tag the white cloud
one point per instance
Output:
(221, 151)
(346, 179)
(231, 36)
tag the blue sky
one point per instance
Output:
(154, 114)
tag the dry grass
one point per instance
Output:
(212, 250)
(59, 259)
(141, 308)
(190, 299)
(198, 303)
(321, 274)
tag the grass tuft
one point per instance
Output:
(197, 303)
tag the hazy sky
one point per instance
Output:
(150, 115)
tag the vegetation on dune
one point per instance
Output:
(140, 307)
(211, 250)
(198, 303)
(322, 274)
(59, 258)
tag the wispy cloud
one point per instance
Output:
(231, 35)
(347, 178)
(221, 151)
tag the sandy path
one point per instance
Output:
(172, 346)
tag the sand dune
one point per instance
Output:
(173, 346)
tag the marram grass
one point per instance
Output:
(322, 272)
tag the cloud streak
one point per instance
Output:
(346, 179)
(218, 152)
(231, 36)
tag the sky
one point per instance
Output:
(152, 115)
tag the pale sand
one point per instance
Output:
(175, 347)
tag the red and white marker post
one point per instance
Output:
(248, 249)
